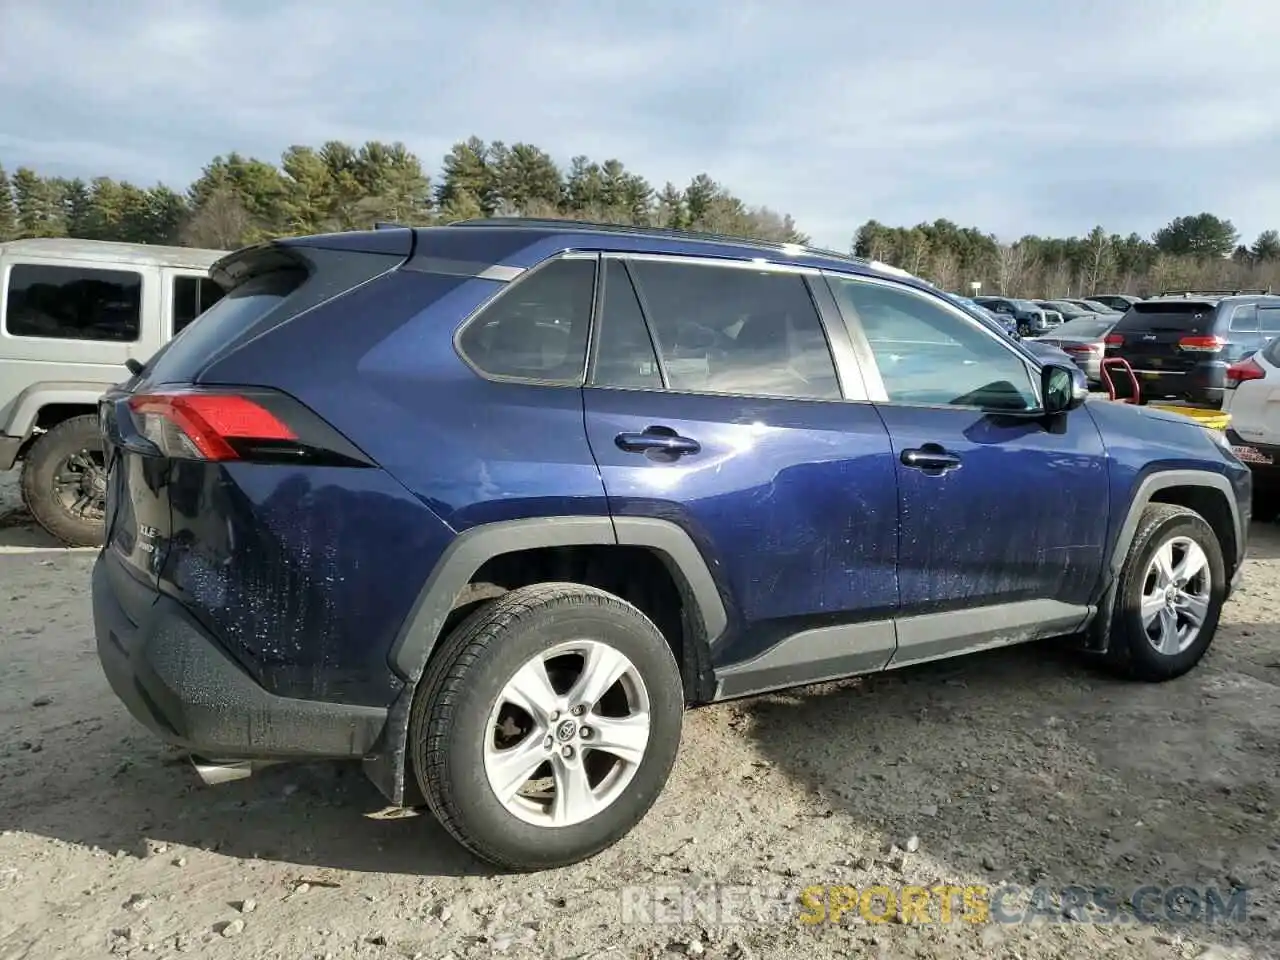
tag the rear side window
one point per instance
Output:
(1174, 316)
(736, 330)
(537, 328)
(231, 315)
(74, 303)
(1269, 321)
(1245, 319)
(624, 356)
(192, 296)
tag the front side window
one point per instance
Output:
(192, 296)
(537, 328)
(929, 355)
(74, 303)
(736, 330)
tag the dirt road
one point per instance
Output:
(1016, 767)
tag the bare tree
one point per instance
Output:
(220, 223)
(944, 270)
(1098, 265)
(1013, 264)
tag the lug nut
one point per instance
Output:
(567, 752)
(555, 714)
(579, 710)
(547, 743)
(586, 733)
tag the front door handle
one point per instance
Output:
(932, 458)
(658, 440)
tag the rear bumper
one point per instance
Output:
(9, 447)
(1263, 471)
(177, 681)
(1203, 383)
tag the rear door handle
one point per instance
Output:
(931, 458)
(657, 439)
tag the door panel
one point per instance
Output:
(793, 504)
(1023, 516)
(791, 499)
(997, 513)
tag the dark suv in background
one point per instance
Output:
(1180, 344)
(1032, 319)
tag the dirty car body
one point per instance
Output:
(375, 434)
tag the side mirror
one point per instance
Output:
(1063, 388)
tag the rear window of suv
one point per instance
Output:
(1181, 316)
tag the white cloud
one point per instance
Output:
(1013, 117)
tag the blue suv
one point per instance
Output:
(486, 506)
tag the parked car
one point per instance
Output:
(1031, 320)
(1252, 397)
(1004, 321)
(1117, 301)
(1067, 309)
(1083, 340)
(1093, 306)
(1181, 345)
(75, 313)
(517, 508)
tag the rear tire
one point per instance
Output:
(470, 731)
(71, 452)
(1169, 596)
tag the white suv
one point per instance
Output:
(1252, 398)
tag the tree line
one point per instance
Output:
(1197, 252)
(239, 200)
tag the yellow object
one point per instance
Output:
(1213, 419)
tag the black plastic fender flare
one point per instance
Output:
(408, 656)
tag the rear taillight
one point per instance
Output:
(205, 426)
(1249, 369)
(1113, 340)
(1202, 344)
(254, 425)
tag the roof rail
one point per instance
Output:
(1214, 293)
(389, 225)
(565, 223)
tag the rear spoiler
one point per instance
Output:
(259, 258)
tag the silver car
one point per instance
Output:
(1082, 340)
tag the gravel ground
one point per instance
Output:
(1018, 767)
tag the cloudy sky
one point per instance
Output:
(1016, 117)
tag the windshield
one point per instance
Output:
(1025, 305)
(1084, 327)
(1099, 306)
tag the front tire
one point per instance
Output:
(547, 725)
(1169, 596)
(64, 482)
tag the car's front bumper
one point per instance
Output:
(179, 682)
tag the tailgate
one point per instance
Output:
(137, 508)
(1153, 334)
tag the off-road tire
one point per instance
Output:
(449, 721)
(40, 466)
(1129, 653)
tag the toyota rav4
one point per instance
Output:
(487, 506)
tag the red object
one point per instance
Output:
(206, 421)
(1114, 340)
(1202, 344)
(1119, 363)
(1248, 369)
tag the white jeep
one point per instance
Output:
(74, 314)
